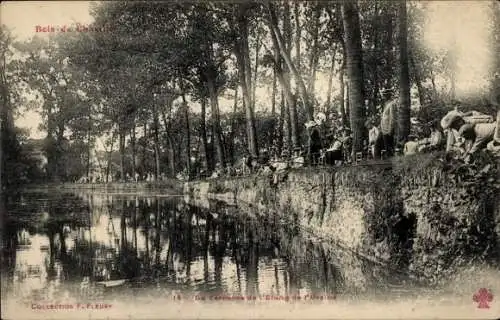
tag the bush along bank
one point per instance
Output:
(424, 213)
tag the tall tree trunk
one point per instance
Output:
(375, 93)
(249, 115)
(204, 138)
(313, 58)
(291, 107)
(422, 94)
(216, 129)
(170, 144)
(256, 68)
(282, 135)
(133, 146)
(290, 100)
(50, 141)
(290, 113)
(298, 78)
(233, 127)
(354, 65)
(188, 134)
(347, 103)
(388, 68)
(343, 97)
(122, 154)
(404, 76)
(144, 148)
(156, 133)
(330, 81)
(61, 164)
(298, 35)
(290, 141)
(273, 108)
(244, 72)
(89, 146)
(375, 67)
(279, 129)
(4, 131)
(62, 241)
(110, 153)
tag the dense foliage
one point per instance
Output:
(149, 81)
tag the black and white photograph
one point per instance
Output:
(247, 159)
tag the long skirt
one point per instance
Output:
(333, 155)
(388, 144)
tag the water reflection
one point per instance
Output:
(98, 246)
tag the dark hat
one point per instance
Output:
(370, 122)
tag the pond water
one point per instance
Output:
(100, 255)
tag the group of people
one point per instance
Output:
(470, 132)
(97, 177)
(327, 145)
(461, 133)
(464, 133)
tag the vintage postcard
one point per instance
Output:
(250, 159)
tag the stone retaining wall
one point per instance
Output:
(413, 211)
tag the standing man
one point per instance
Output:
(315, 142)
(346, 140)
(388, 121)
(375, 140)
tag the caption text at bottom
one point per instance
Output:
(102, 306)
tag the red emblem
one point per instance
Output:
(483, 297)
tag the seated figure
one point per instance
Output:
(375, 140)
(434, 142)
(334, 153)
(298, 160)
(411, 147)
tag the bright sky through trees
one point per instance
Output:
(463, 24)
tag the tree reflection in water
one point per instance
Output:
(161, 244)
